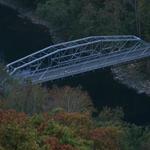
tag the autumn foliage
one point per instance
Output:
(106, 138)
(12, 116)
(59, 130)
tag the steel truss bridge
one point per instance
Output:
(78, 56)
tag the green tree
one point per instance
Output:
(27, 98)
(144, 13)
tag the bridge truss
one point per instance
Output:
(74, 57)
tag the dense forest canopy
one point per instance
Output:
(58, 130)
(79, 18)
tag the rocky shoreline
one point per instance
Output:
(132, 76)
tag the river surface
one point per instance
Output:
(19, 37)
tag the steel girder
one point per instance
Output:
(37, 65)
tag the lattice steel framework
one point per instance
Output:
(69, 58)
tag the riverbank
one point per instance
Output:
(134, 76)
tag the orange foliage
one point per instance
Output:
(54, 144)
(42, 127)
(106, 138)
(67, 147)
(74, 118)
(81, 122)
(11, 116)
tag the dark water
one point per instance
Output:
(19, 37)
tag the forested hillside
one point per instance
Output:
(74, 19)
(58, 130)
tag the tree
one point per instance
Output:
(108, 114)
(5, 81)
(71, 99)
(107, 138)
(143, 6)
(27, 98)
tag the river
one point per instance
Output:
(19, 37)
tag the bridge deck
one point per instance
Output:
(74, 57)
(89, 65)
